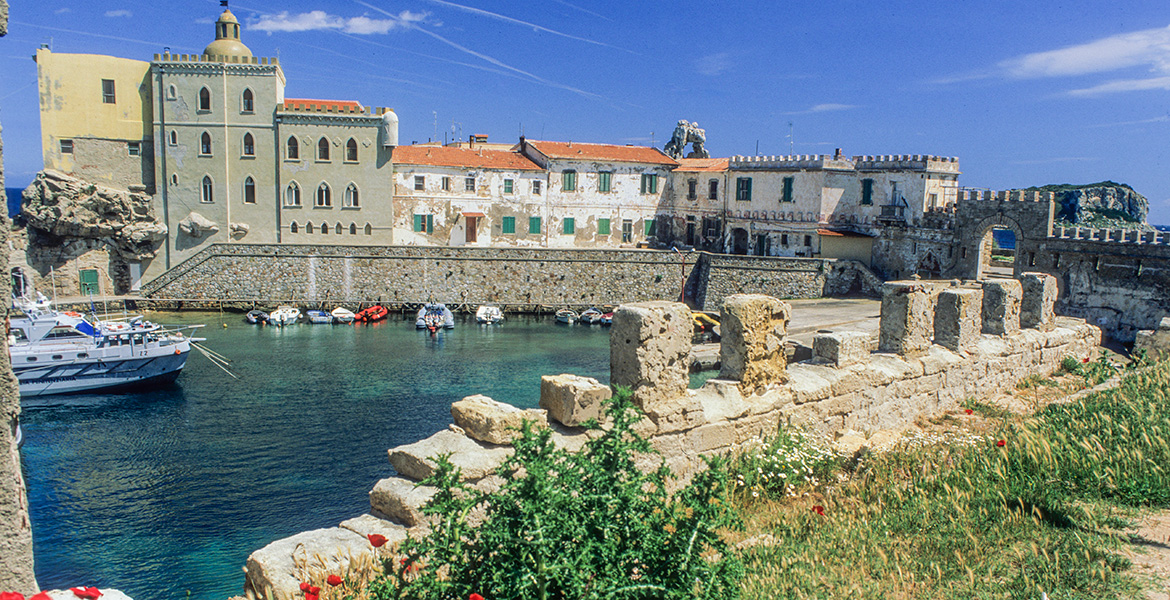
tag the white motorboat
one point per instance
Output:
(489, 315)
(567, 316)
(62, 352)
(342, 315)
(591, 316)
(284, 315)
(434, 316)
(319, 317)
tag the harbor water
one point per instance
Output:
(165, 492)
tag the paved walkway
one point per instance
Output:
(832, 314)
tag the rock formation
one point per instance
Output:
(1104, 204)
(63, 206)
(195, 224)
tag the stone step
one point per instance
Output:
(275, 571)
(475, 460)
(401, 500)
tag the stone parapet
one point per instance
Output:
(649, 350)
(841, 349)
(1001, 306)
(1038, 301)
(958, 319)
(906, 321)
(753, 330)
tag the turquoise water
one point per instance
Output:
(164, 492)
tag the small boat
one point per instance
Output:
(434, 316)
(319, 317)
(489, 315)
(606, 319)
(591, 316)
(342, 315)
(256, 317)
(371, 314)
(284, 315)
(567, 316)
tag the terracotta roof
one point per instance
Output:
(698, 165)
(841, 233)
(445, 156)
(578, 150)
(334, 105)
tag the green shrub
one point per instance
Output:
(590, 524)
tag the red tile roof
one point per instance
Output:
(841, 233)
(700, 165)
(479, 158)
(333, 105)
(578, 150)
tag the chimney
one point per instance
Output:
(838, 155)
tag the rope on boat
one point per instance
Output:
(212, 356)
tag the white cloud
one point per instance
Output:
(1125, 85)
(61, 11)
(318, 20)
(713, 64)
(119, 13)
(1150, 47)
(820, 108)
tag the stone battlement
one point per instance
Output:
(333, 108)
(891, 162)
(1120, 236)
(971, 195)
(200, 58)
(939, 344)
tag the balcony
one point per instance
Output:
(892, 213)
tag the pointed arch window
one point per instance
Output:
(292, 195)
(324, 196)
(294, 148)
(293, 228)
(249, 190)
(204, 99)
(353, 228)
(249, 145)
(324, 228)
(369, 229)
(337, 229)
(248, 103)
(351, 150)
(323, 149)
(309, 227)
(173, 137)
(171, 93)
(205, 144)
(206, 193)
(351, 197)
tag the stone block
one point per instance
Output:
(274, 571)
(722, 400)
(400, 500)
(494, 422)
(754, 328)
(712, 436)
(368, 524)
(677, 414)
(1155, 342)
(906, 322)
(958, 319)
(1001, 306)
(1038, 301)
(649, 350)
(807, 385)
(841, 349)
(571, 399)
(474, 460)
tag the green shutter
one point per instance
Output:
(430, 223)
(867, 191)
(418, 223)
(569, 181)
(649, 227)
(604, 180)
(653, 183)
(533, 224)
(507, 186)
(89, 282)
(509, 224)
(787, 197)
(603, 227)
(570, 225)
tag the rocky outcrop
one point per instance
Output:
(1100, 204)
(493, 422)
(64, 207)
(572, 399)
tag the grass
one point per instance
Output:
(1033, 505)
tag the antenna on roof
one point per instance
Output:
(223, 3)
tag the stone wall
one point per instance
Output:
(518, 277)
(16, 554)
(844, 389)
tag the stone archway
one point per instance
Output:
(978, 249)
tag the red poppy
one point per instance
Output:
(1001, 443)
(1085, 360)
(969, 411)
(305, 586)
(820, 510)
(474, 596)
(11, 596)
(334, 580)
(377, 540)
(310, 596)
(88, 592)
(314, 590)
(40, 596)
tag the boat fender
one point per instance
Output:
(177, 351)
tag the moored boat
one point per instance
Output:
(434, 316)
(371, 314)
(256, 317)
(342, 315)
(284, 315)
(591, 316)
(319, 317)
(606, 319)
(567, 316)
(489, 315)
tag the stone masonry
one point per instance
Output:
(845, 388)
(958, 319)
(1001, 306)
(906, 325)
(755, 328)
(1037, 301)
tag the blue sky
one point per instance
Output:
(1024, 93)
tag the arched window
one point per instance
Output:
(323, 149)
(171, 94)
(249, 191)
(205, 144)
(353, 228)
(204, 99)
(324, 197)
(351, 196)
(324, 228)
(206, 195)
(248, 103)
(174, 138)
(351, 150)
(294, 149)
(309, 227)
(175, 179)
(337, 229)
(292, 195)
(293, 228)
(369, 230)
(249, 145)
